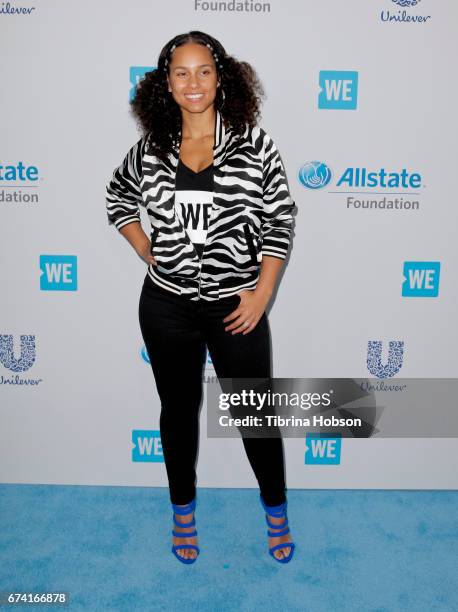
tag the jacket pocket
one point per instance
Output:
(154, 234)
(250, 243)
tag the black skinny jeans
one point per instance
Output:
(175, 330)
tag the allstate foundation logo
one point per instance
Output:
(147, 446)
(18, 172)
(392, 189)
(394, 361)
(18, 363)
(421, 279)
(315, 175)
(16, 176)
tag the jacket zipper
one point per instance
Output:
(200, 273)
(203, 251)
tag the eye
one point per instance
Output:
(180, 73)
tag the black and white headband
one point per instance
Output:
(215, 56)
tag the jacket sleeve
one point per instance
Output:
(123, 193)
(278, 204)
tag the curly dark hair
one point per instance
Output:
(238, 97)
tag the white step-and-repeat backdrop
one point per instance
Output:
(361, 104)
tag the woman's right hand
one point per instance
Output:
(135, 235)
(145, 253)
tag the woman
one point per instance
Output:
(216, 194)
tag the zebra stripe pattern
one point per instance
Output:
(251, 215)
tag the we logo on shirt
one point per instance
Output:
(194, 209)
(195, 216)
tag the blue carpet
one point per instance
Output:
(109, 547)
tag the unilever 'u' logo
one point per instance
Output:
(374, 358)
(315, 175)
(406, 2)
(27, 358)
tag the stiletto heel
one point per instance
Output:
(182, 510)
(278, 512)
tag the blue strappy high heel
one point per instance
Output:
(182, 510)
(278, 512)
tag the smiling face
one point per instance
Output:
(192, 77)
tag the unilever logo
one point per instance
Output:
(20, 363)
(407, 3)
(403, 16)
(394, 362)
(8, 9)
(315, 175)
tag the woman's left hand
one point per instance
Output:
(247, 314)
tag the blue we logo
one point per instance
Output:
(58, 273)
(421, 279)
(338, 89)
(322, 449)
(136, 74)
(147, 446)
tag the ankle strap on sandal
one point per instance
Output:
(186, 509)
(274, 510)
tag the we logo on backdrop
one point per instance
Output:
(136, 74)
(147, 446)
(421, 279)
(208, 368)
(338, 89)
(322, 449)
(58, 273)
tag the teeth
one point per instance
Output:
(193, 96)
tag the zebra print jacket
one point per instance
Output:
(251, 214)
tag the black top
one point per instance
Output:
(193, 201)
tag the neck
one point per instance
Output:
(196, 126)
